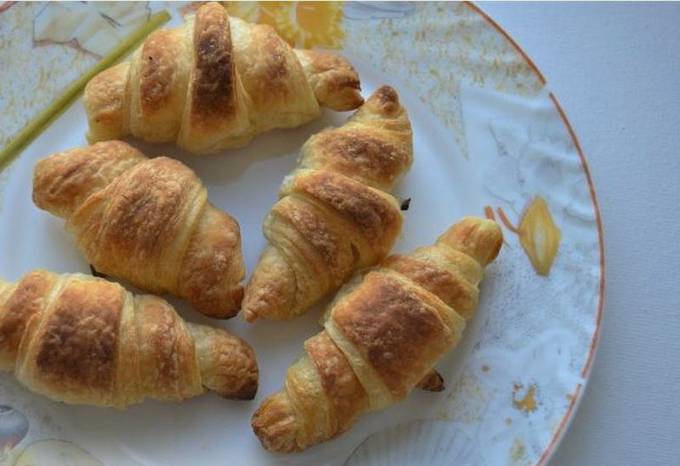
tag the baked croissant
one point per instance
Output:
(381, 337)
(147, 221)
(214, 83)
(334, 214)
(84, 340)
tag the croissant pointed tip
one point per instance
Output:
(249, 316)
(385, 100)
(271, 291)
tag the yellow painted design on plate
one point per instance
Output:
(518, 453)
(539, 236)
(301, 24)
(528, 402)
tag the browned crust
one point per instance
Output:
(159, 348)
(343, 390)
(27, 300)
(393, 328)
(360, 155)
(157, 71)
(452, 288)
(133, 211)
(384, 101)
(277, 89)
(276, 69)
(78, 346)
(283, 85)
(144, 212)
(332, 216)
(62, 181)
(316, 230)
(212, 271)
(74, 348)
(450, 259)
(213, 87)
(390, 327)
(378, 219)
(247, 389)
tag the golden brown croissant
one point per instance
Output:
(214, 83)
(382, 337)
(334, 214)
(147, 221)
(84, 340)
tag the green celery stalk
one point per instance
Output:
(47, 116)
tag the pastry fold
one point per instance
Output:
(382, 337)
(84, 340)
(335, 214)
(147, 221)
(214, 83)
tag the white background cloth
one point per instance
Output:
(615, 68)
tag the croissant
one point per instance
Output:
(381, 337)
(147, 221)
(334, 214)
(214, 83)
(84, 340)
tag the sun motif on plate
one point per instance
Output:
(301, 24)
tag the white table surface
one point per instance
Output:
(616, 70)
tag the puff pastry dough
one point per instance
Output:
(214, 83)
(382, 336)
(84, 340)
(147, 221)
(334, 214)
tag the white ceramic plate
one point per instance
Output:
(490, 139)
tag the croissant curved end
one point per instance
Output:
(478, 237)
(227, 363)
(275, 425)
(335, 82)
(104, 100)
(62, 181)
